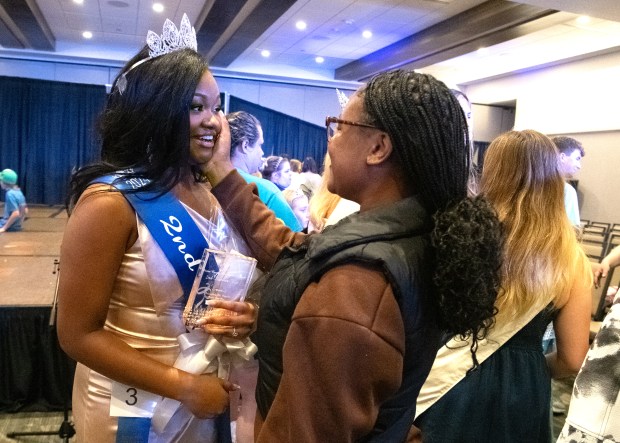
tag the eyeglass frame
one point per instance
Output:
(329, 120)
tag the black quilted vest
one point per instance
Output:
(394, 239)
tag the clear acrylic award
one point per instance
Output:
(221, 275)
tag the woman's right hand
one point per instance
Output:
(220, 165)
(206, 395)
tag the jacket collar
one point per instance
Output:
(404, 218)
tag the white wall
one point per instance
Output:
(581, 96)
(580, 99)
(491, 121)
(310, 102)
(599, 179)
(56, 71)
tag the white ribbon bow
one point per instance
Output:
(202, 353)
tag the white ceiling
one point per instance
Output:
(334, 32)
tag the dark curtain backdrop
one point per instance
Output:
(47, 128)
(284, 134)
(35, 375)
(480, 148)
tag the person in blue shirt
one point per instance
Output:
(15, 208)
(571, 152)
(246, 154)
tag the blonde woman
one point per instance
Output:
(545, 276)
(327, 208)
(298, 201)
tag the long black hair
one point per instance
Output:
(430, 140)
(146, 127)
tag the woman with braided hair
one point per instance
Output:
(545, 276)
(350, 319)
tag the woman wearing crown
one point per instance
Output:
(124, 281)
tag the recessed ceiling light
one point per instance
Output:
(583, 20)
(366, 34)
(319, 59)
(78, 2)
(158, 7)
(265, 53)
(87, 34)
(301, 25)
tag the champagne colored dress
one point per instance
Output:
(143, 287)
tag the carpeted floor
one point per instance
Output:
(52, 421)
(26, 422)
(27, 258)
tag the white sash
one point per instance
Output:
(454, 358)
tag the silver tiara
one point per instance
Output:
(343, 99)
(172, 39)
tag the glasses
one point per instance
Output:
(329, 121)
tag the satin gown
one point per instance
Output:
(145, 280)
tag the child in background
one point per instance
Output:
(298, 201)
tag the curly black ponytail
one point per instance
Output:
(430, 137)
(468, 251)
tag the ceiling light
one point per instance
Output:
(319, 59)
(366, 34)
(301, 25)
(583, 20)
(87, 34)
(158, 7)
(78, 2)
(265, 53)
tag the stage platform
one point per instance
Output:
(35, 375)
(27, 258)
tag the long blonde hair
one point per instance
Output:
(542, 257)
(323, 202)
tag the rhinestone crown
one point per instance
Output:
(172, 39)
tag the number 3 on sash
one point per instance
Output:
(128, 401)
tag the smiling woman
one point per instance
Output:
(140, 221)
(205, 105)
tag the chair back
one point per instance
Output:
(594, 246)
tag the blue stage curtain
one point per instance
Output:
(284, 134)
(47, 128)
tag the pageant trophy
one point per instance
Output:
(221, 276)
